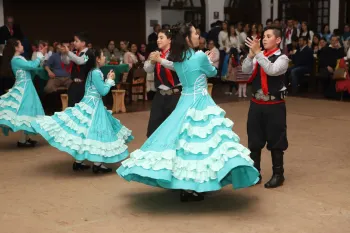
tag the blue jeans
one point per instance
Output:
(296, 74)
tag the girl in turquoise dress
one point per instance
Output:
(88, 130)
(195, 149)
(21, 104)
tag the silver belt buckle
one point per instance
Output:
(261, 96)
(164, 92)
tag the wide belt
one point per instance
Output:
(269, 97)
(173, 91)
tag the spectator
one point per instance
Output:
(10, 30)
(59, 72)
(152, 38)
(302, 63)
(328, 57)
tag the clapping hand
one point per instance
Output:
(66, 49)
(111, 75)
(210, 54)
(43, 49)
(254, 46)
(155, 56)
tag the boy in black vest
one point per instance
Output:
(79, 69)
(267, 112)
(168, 88)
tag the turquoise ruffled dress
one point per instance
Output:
(21, 104)
(195, 148)
(88, 130)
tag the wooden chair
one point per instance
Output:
(125, 85)
(64, 97)
(210, 88)
(64, 100)
(118, 101)
(135, 78)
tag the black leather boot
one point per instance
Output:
(256, 157)
(277, 178)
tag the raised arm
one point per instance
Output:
(148, 66)
(29, 65)
(76, 59)
(101, 86)
(279, 67)
(205, 65)
(167, 64)
(247, 65)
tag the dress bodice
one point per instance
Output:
(21, 68)
(90, 88)
(193, 72)
(95, 87)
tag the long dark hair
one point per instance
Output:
(179, 44)
(91, 63)
(229, 32)
(8, 53)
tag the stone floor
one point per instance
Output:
(39, 192)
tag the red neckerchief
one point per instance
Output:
(68, 68)
(168, 73)
(263, 75)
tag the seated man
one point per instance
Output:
(328, 57)
(59, 72)
(303, 60)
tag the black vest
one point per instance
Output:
(157, 83)
(82, 71)
(274, 83)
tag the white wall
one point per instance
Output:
(153, 12)
(275, 9)
(2, 13)
(211, 7)
(172, 17)
(334, 15)
(265, 11)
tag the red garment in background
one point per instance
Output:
(343, 85)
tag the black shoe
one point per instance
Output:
(80, 166)
(189, 197)
(100, 169)
(25, 144)
(256, 157)
(277, 178)
(32, 141)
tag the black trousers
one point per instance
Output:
(267, 124)
(162, 107)
(75, 93)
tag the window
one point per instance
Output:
(322, 14)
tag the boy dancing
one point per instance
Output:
(267, 111)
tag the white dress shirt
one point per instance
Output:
(277, 68)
